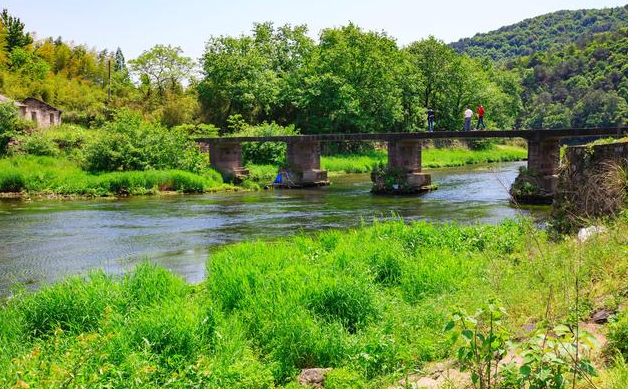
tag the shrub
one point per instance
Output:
(37, 144)
(618, 335)
(129, 143)
(11, 124)
(11, 182)
(343, 379)
(265, 153)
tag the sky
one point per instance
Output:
(136, 25)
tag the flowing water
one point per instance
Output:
(44, 240)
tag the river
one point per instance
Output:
(45, 240)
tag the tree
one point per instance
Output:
(352, 83)
(164, 67)
(256, 76)
(433, 60)
(14, 28)
(120, 64)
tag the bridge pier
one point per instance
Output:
(303, 165)
(537, 185)
(404, 167)
(227, 159)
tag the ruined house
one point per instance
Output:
(40, 112)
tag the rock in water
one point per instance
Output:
(313, 378)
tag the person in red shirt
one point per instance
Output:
(481, 125)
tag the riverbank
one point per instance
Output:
(372, 303)
(431, 158)
(25, 176)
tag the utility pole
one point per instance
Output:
(109, 86)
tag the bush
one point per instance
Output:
(11, 124)
(265, 153)
(129, 143)
(618, 335)
(11, 182)
(37, 144)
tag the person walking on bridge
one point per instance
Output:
(481, 125)
(468, 114)
(430, 120)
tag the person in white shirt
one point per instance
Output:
(468, 114)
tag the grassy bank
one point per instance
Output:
(59, 176)
(371, 302)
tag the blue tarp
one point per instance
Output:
(278, 179)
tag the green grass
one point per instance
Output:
(431, 158)
(370, 302)
(59, 176)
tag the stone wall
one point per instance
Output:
(591, 183)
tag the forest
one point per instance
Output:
(346, 80)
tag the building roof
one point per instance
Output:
(33, 99)
(4, 99)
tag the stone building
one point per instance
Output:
(40, 112)
(44, 114)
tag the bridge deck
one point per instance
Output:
(526, 134)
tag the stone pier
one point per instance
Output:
(537, 184)
(227, 159)
(404, 171)
(303, 166)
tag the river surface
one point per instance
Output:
(44, 240)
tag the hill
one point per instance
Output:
(584, 84)
(544, 32)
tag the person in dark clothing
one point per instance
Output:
(481, 125)
(430, 119)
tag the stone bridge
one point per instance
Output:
(303, 166)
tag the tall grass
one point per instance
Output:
(47, 175)
(370, 302)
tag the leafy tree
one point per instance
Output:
(163, 67)
(14, 30)
(433, 60)
(257, 76)
(352, 83)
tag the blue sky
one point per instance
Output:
(135, 25)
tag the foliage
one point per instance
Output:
(541, 33)
(162, 67)
(129, 143)
(552, 358)
(581, 85)
(264, 153)
(485, 342)
(618, 335)
(267, 309)
(15, 37)
(35, 144)
(56, 176)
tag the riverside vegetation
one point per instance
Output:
(373, 303)
(130, 156)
